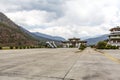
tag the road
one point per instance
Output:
(57, 64)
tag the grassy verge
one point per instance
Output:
(18, 47)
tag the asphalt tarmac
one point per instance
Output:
(59, 64)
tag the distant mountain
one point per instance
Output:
(92, 41)
(13, 35)
(48, 37)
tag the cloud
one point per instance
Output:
(32, 18)
(28, 5)
(67, 18)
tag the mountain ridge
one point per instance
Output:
(49, 37)
(95, 40)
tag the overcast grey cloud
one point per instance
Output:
(28, 5)
(67, 18)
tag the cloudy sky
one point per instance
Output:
(66, 18)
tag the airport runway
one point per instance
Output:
(59, 64)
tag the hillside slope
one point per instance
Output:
(13, 35)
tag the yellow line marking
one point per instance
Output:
(110, 57)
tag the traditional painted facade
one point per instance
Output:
(73, 42)
(114, 37)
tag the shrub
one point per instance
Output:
(0, 48)
(34, 47)
(24, 47)
(111, 47)
(82, 47)
(11, 47)
(39, 46)
(114, 47)
(31, 47)
(16, 47)
(92, 46)
(108, 47)
(71, 46)
(104, 45)
(20, 47)
(101, 45)
(28, 47)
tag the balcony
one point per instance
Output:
(114, 37)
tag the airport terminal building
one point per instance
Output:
(114, 37)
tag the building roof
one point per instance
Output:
(77, 40)
(74, 38)
(115, 28)
(73, 42)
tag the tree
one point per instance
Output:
(101, 45)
